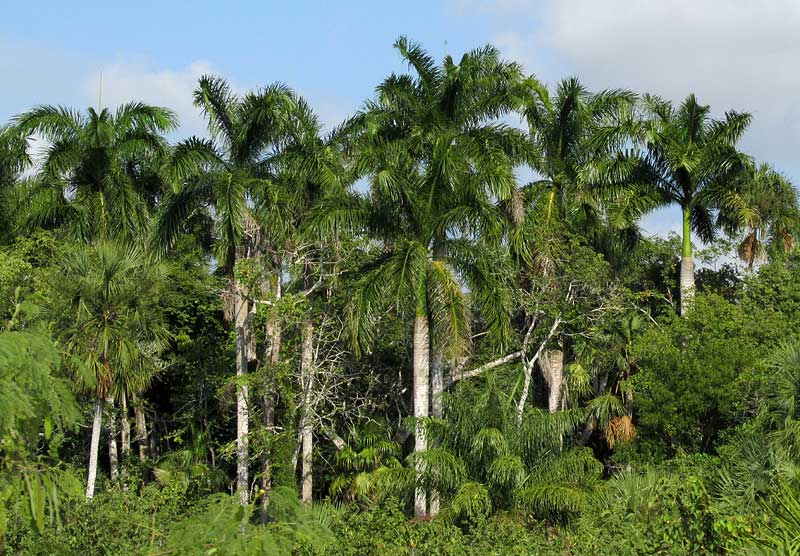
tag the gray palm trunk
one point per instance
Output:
(125, 429)
(307, 382)
(552, 364)
(241, 316)
(687, 263)
(125, 436)
(141, 428)
(113, 455)
(94, 447)
(437, 411)
(421, 382)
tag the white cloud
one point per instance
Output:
(734, 54)
(125, 81)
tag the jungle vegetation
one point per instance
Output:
(435, 328)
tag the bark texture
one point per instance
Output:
(241, 316)
(421, 380)
(125, 424)
(437, 410)
(307, 382)
(687, 283)
(141, 429)
(687, 263)
(113, 455)
(94, 447)
(552, 364)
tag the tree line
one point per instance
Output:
(386, 307)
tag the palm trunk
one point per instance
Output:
(273, 355)
(113, 457)
(421, 380)
(552, 365)
(437, 410)
(125, 444)
(141, 428)
(687, 263)
(94, 447)
(307, 382)
(241, 315)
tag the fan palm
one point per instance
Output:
(89, 178)
(108, 319)
(436, 159)
(693, 162)
(227, 172)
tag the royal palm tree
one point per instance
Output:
(437, 159)
(693, 162)
(762, 206)
(89, 178)
(109, 315)
(580, 191)
(228, 172)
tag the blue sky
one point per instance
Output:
(736, 54)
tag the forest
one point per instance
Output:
(438, 328)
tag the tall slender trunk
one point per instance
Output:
(437, 409)
(421, 380)
(307, 382)
(141, 428)
(241, 315)
(552, 365)
(273, 356)
(687, 263)
(125, 438)
(113, 457)
(94, 447)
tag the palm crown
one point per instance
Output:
(91, 177)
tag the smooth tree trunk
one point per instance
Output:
(687, 263)
(437, 410)
(421, 379)
(141, 428)
(273, 355)
(113, 455)
(552, 364)
(94, 447)
(307, 426)
(241, 316)
(125, 435)
(125, 424)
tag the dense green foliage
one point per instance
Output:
(279, 340)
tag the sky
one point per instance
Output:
(733, 54)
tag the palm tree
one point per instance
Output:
(692, 160)
(109, 314)
(437, 159)
(580, 191)
(764, 206)
(227, 172)
(89, 178)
